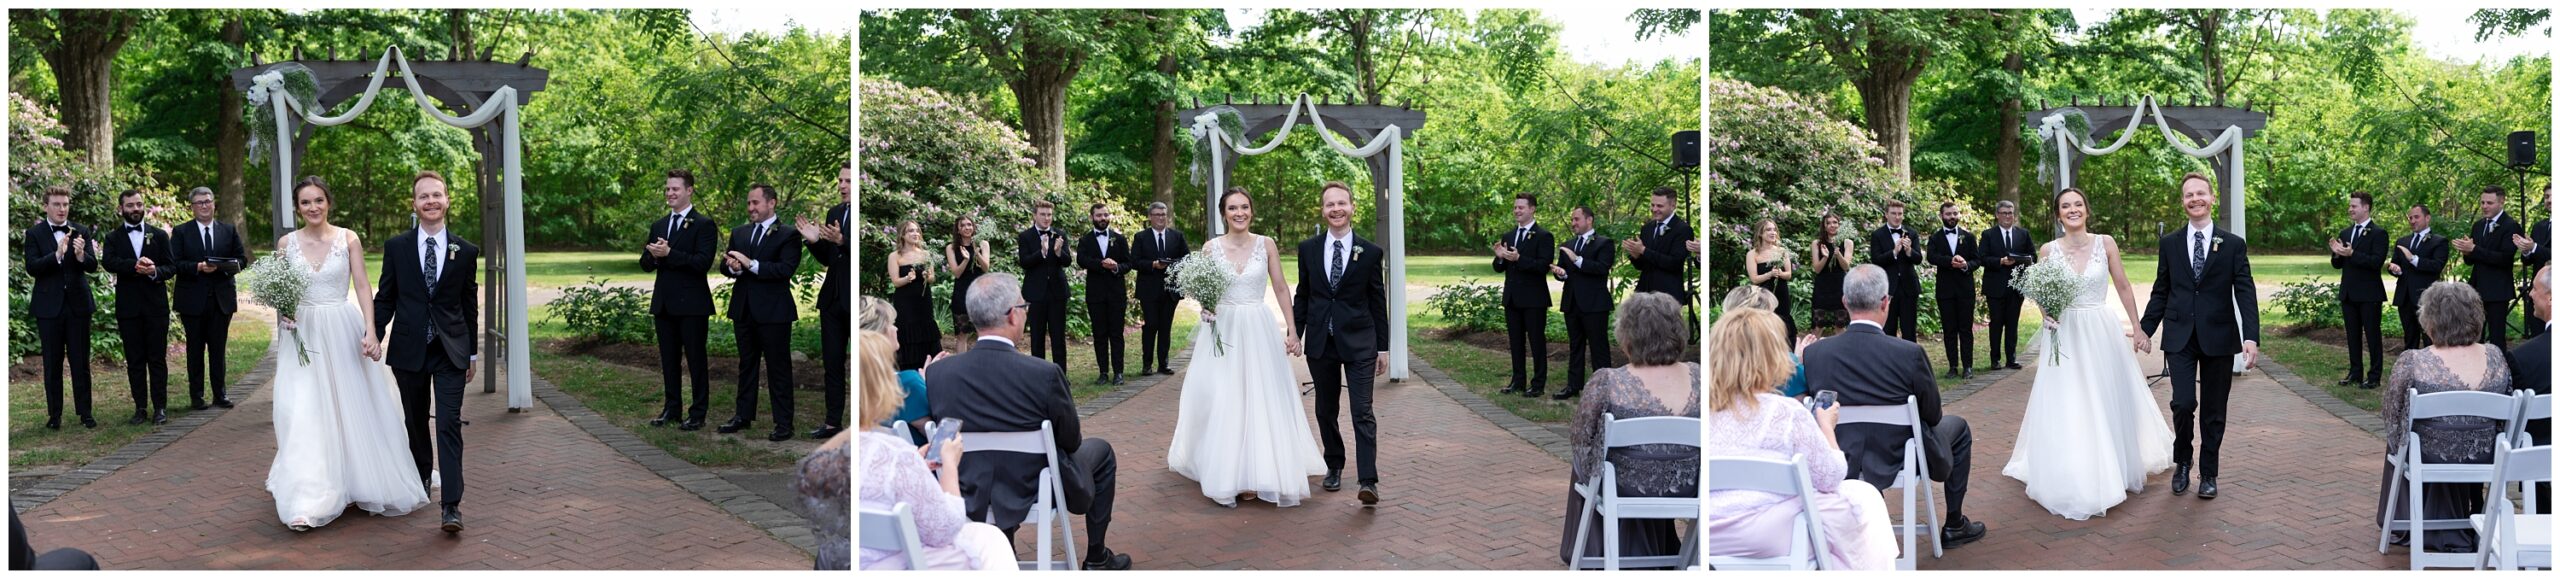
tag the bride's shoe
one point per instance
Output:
(299, 525)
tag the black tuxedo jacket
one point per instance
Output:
(1524, 282)
(2202, 309)
(200, 293)
(1044, 278)
(449, 313)
(1898, 266)
(994, 388)
(2416, 275)
(1103, 286)
(1869, 368)
(2360, 275)
(138, 294)
(1995, 277)
(2541, 256)
(1144, 247)
(62, 285)
(834, 293)
(1356, 305)
(1952, 280)
(1664, 267)
(2530, 365)
(2493, 257)
(764, 296)
(683, 287)
(1586, 286)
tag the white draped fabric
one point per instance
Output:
(501, 108)
(1390, 142)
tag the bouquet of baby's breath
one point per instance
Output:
(2053, 287)
(278, 284)
(1201, 278)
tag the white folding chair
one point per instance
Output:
(2416, 472)
(1917, 497)
(1790, 478)
(1049, 507)
(2531, 406)
(1600, 494)
(2513, 539)
(894, 531)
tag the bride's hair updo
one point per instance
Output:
(1233, 192)
(2057, 196)
(313, 182)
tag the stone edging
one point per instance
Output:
(739, 502)
(57, 485)
(1556, 444)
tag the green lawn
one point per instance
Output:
(1428, 270)
(630, 397)
(111, 403)
(560, 268)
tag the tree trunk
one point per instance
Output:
(1362, 26)
(1164, 155)
(231, 146)
(1885, 93)
(1040, 91)
(2011, 155)
(2209, 32)
(83, 61)
(458, 23)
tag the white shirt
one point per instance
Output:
(2421, 237)
(1877, 326)
(1951, 237)
(1345, 239)
(1521, 233)
(2361, 227)
(1583, 240)
(204, 229)
(1159, 235)
(134, 236)
(1007, 342)
(677, 218)
(2190, 241)
(432, 256)
(763, 228)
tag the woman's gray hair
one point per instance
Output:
(2450, 312)
(991, 297)
(1750, 297)
(1864, 288)
(1651, 329)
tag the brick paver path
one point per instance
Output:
(544, 495)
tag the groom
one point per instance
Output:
(1341, 304)
(2203, 278)
(428, 289)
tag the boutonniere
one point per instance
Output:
(680, 223)
(1356, 251)
(2217, 245)
(450, 250)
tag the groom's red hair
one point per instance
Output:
(428, 174)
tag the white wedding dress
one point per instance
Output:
(339, 435)
(1241, 427)
(2091, 431)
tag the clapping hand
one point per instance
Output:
(2404, 252)
(1503, 251)
(2340, 249)
(1632, 246)
(1569, 253)
(738, 261)
(809, 228)
(833, 233)
(2463, 245)
(658, 248)
(2523, 244)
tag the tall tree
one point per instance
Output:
(81, 46)
(1881, 53)
(1038, 54)
(231, 142)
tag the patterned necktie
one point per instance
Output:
(2195, 256)
(1336, 271)
(430, 260)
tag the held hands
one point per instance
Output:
(1959, 262)
(2395, 268)
(2141, 343)
(1111, 264)
(2250, 348)
(1291, 343)
(204, 267)
(2008, 262)
(144, 266)
(373, 349)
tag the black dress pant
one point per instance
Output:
(835, 338)
(1955, 330)
(1528, 329)
(146, 359)
(2494, 321)
(2004, 330)
(1902, 318)
(1110, 320)
(1155, 342)
(765, 347)
(1333, 376)
(2364, 336)
(208, 340)
(1092, 479)
(682, 342)
(65, 339)
(1047, 331)
(2198, 382)
(2412, 335)
(1586, 339)
(439, 387)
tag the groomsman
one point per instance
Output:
(1104, 257)
(2491, 251)
(136, 252)
(2005, 248)
(59, 254)
(835, 304)
(2419, 261)
(2537, 255)
(1156, 250)
(2359, 253)
(681, 247)
(1522, 254)
(1660, 251)
(762, 256)
(1897, 250)
(1951, 249)
(1043, 254)
(207, 253)
(1583, 265)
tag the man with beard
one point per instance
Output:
(135, 253)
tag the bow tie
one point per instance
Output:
(1947, 231)
(61, 229)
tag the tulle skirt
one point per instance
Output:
(340, 439)
(1242, 428)
(2092, 432)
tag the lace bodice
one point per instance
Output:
(328, 283)
(1247, 289)
(2092, 271)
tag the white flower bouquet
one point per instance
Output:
(2053, 287)
(1203, 279)
(276, 283)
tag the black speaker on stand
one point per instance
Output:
(2520, 149)
(1684, 149)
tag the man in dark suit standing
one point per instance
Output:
(1522, 255)
(994, 388)
(1583, 265)
(1869, 368)
(1340, 304)
(1660, 250)
(1104, 256)
(1044, 255)
(1897, 250)
(2203, 283)
(835, 303)
(2530, 365)
(681, 247)
(1951, 250)
(425, 306)
(762, 256)
(2491, 251)
(1156, 250)
(2419, 261)
(2005, 248)
(207, 254)
(2536, 254)
(2359, 254)
(60, 254)
(137, 252)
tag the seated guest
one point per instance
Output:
(23, 557)
(2530, 363)
(1753, 297)
(994, 388)
(824, 490)
(1750, 420)
(1652, 334)
(2451, 314)
(892, 473)
(878, 316)
(1869, 368)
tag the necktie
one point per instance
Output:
(430, 262)
(759, 238)
(1659, 226)
(1335, 272)
(2195, 256)
(208, 237)
(672, 220)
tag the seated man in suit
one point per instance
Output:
(1868, 368)
(994, 388)
(2530, 365)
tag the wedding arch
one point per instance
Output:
(493, 94)
(1383, 127)
(2221, 128)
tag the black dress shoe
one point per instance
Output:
(1535, 392)
(1106, 560)
(452, 519)
(1968, 373)
(198, 405)
(2372, 384)
(2348, 382)
(1168, 371)
(665, 418)
(1100, 379)
(222, 403)
(1567, 395)
(138, 418)
(2014, 366)
(1962, 532)
(2178, 482)
(53, 424)
(2208, 490)
(87, 422)
(691, 425)
(159, 417)
(734, 425)
(1369, 493)
(1512, 389)
(1332, 481)
(825, 431)
(779, 434)
(1118, 379)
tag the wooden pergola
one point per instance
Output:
(2200, 123)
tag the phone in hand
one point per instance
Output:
(1825, 399)
(943, 430)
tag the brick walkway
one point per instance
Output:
(2298, 488)
(544, 495)
(1460, 493)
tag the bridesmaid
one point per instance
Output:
(966, 259)
(1830, 265)
(910, 277)
(1771, 268)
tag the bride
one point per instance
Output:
(2092, 431)
(1241, 428)
(339, 437)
